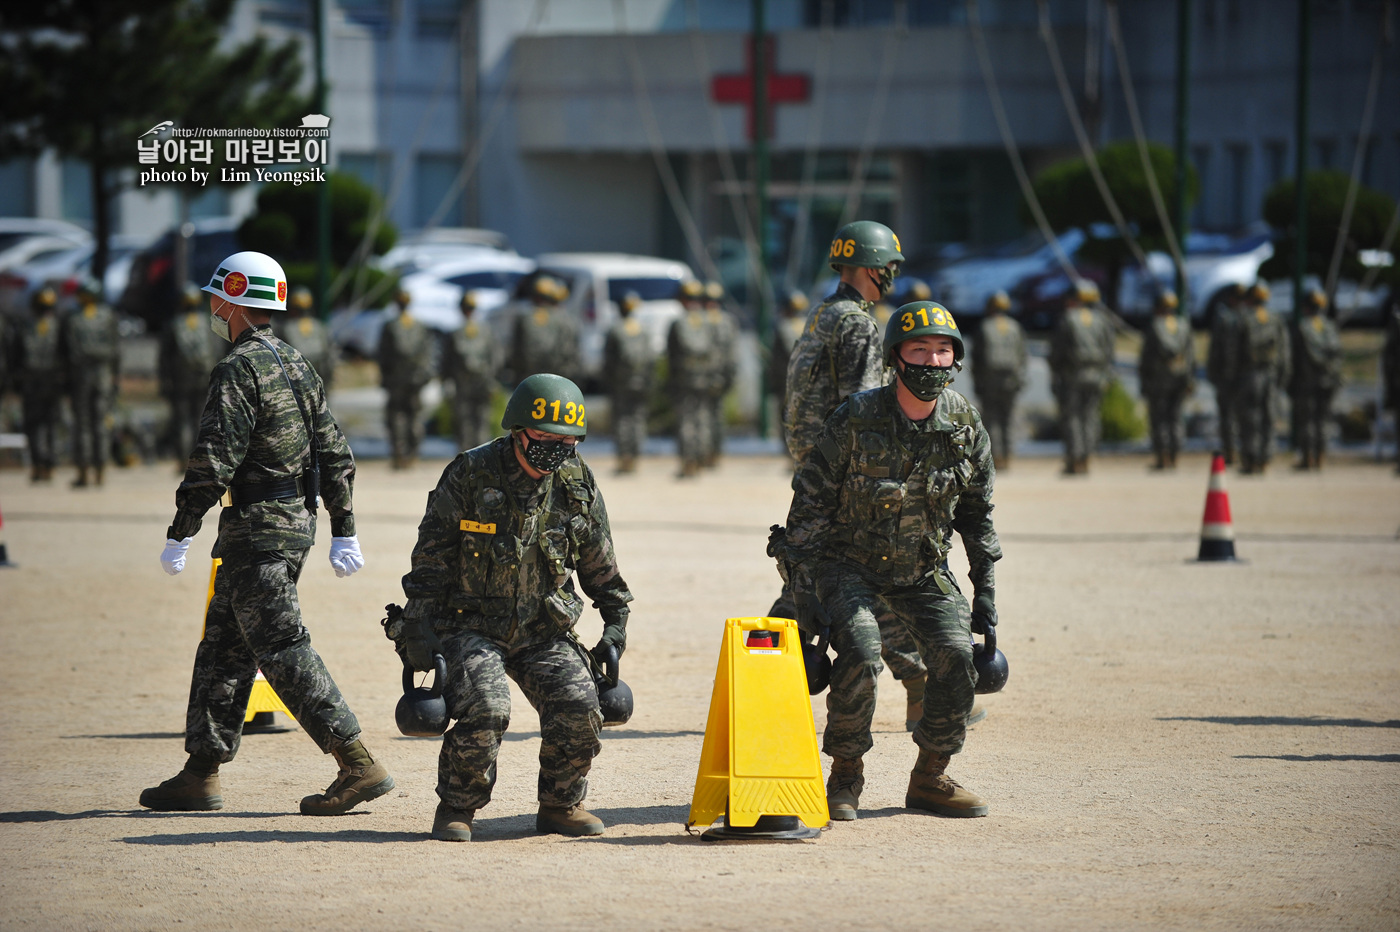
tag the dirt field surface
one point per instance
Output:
(1180, 746)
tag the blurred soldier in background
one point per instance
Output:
(405, 366)
(546, 336)
(1317, 374)
(1390, 373)
(41, 380)
(691, 356)
(999, 374)
(1081, 364)
(792, 317)
(187, 356)
(1165, 369)
(303, 330)
(471, 362)
(91, 348)
(723, 370)
(1221, 365)
(1262, 362)
(628, 364)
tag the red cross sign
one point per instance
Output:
(782, 88)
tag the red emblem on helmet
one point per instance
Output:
(235, 283)
(281, 291)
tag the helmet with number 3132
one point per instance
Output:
(922, 319)
(548, 403)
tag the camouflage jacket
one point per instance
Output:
(1317, 355)
(628, 361)
(1081, 347)
(187, 353)
(91, 347)
(405, 354)
(497, 550)
(310, 338)
(1390, 361)
(41, 356)
(726, 337)
(252, 431)
(693, 353)
(884, 493)
(786, 332)
(1262, 348)
(999, 356)
(471, 360)
(839, 353)
(545, 340)
(1168, 358)
(1221, 367)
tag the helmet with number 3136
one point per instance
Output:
(548, 403)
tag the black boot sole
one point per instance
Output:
(201, 804)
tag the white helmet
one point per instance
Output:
(250, 279)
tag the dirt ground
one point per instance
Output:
(1179, 746)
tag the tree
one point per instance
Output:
(1327, 191)
(88, 77)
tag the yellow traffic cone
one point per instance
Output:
(263, 701)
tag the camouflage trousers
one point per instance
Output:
(1229, 423)
(1164, 416)
(938, 625)
(403, 416)
(629, 417)
(556, 680)
(998, 413)
(471, 420)
(714, 425)
(92, 424)
(692, 426)
(40, 418)
(186, 411)
(1311, 408)
(898, 650)
(254, 623)
(1079, 418)
(1255, 408)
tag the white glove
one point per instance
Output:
(172, 558)
(345, 555)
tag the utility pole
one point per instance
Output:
(1183, 121)
(1300, 174)
(323, 190)
(760, 192)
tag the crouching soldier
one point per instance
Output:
(492, 591)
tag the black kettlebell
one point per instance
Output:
(992, 669)
(817, 664)
(422, 713)
(614, 696)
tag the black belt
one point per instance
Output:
(248, 493)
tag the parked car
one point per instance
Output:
(65, 269)
(1213, 262)
(25, 241)
(15, 230)
(417, 252)
(152, 294)
(964, 286)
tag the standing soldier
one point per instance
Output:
(723, 368)
(302, 330)
(471, 360)
(91, 349)
(1221, 361)
(1261, 365)
(787, 329)
(894, 473)
(690, 356)
(1165, 370)
(41, 377)
(999, 371)
(1390, 373)
(187, 356)
(269, 444)
(1081, 361)
(628, 365)
(1317, 374)
(492, 592)
(546, 337)
(405, 366)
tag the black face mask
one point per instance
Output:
(925, 382)
(545, 455)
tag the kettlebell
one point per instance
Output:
(817, 664)
(992, 669)
(614, 696)
(422, 713)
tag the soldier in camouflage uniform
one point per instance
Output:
(471, 361)
(1390, 373)
(999, 371)
(405, 366)
(302, 330)
(721, 379)
(268, 446)
(41, 379)
(787, 329)
(187, 356)
(1262, 363)
(1221, 365)
(91, 348)
(691, 357)
(492, 591)
(1166, 370)
(628, 366)
(894, 473)
(1081, 366)
(1317, 374)
(546, 335)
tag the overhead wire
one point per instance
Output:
(806, 187)
(894, 37)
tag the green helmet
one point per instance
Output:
(193, 296)
(546, 402)
(44, 299)
(922, 319)
(864, 243)
(302, 298)
(89, 290)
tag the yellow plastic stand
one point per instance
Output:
(263, 697)
(760, 757)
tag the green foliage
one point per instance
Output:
(1119, 416)
(1327, 191)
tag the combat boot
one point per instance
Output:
(914, 700)
(82, 480)
(452, 824)
(628, 464)
(97, 474)
(933, 790)
(843, 788)
(574, 821)
(361, 779)
(978, 713)
(193, 789)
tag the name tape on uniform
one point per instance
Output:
(478, 528)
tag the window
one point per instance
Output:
(291, 14)
(1204, 212)
(370, 167)
(372, 14)
(432, 183)
(437, 19)
(1324, 152)
(211, 202)
(1275, 161)
(470, 281)
(17, 188)
(1238, 160)
(648, 289)
(76, 182)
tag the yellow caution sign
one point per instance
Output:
(263, 697)
(760, 756)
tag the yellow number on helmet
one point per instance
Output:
(908, 321)
(538, 411)
(580, 416)
(555, 405)
(570, 413)
(923, 315)
(836, 247)
(897, 247)
(849, 249)
(940, 318)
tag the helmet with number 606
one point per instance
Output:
(549, 403)
(922, 319)
(865, 243)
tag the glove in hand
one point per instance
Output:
(984, 613)
(346, 558)
(172, 558)
(420, 644)
(614, 635)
